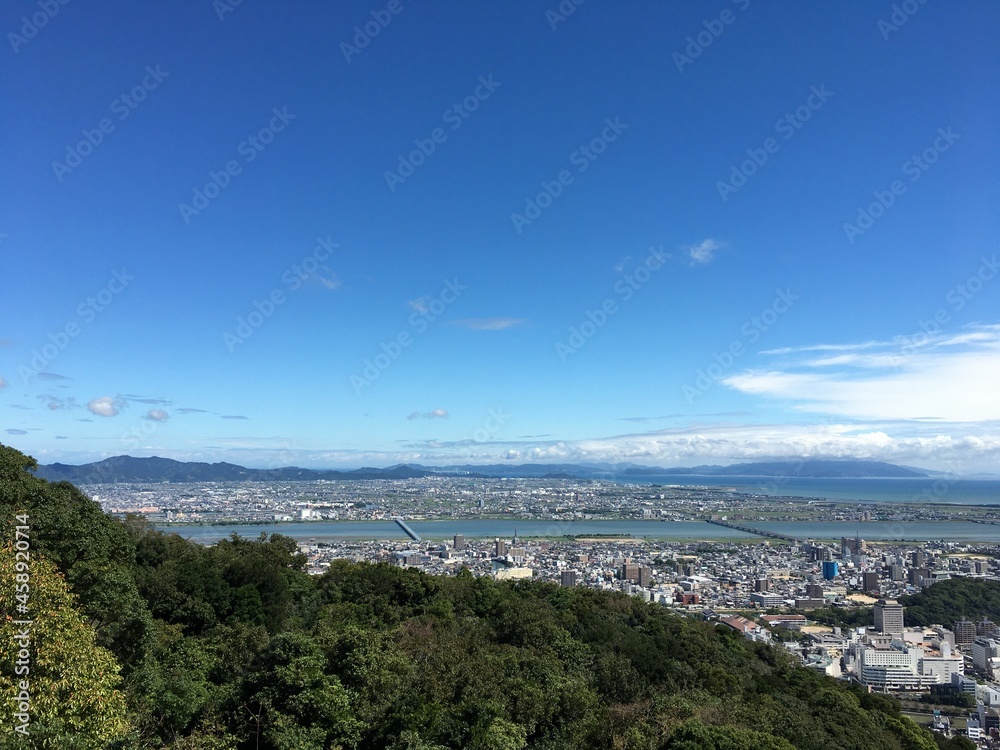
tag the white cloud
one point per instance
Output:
(944, 446)
(488, 324)
(157, 415)
(105, 406)
(945, 377)
(331, 283)
(3, 383)
(433, 414)
(704, 251)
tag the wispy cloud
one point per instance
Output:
(157, 415)
(13, 431)
(419, 304)
(704, 251)
(188, 410)
(51, 376)
(146, 400)
(234, 416)
(687, 416)
(332, 282)
(54, 403)
(824, 348)
(433, 414)
(949, 377)
(3, 383)
(488, 324)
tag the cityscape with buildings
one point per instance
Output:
(742, 567)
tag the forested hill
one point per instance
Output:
(944, 603)
(143, 640)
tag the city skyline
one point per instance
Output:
(389, 233)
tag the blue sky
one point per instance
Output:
(664, 234)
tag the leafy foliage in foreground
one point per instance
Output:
(234, 646)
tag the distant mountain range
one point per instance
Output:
(129, 469)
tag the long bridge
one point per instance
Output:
(409, 532)
(757, 532)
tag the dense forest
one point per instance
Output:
(144, 640)
(948, 601)
(944, 603)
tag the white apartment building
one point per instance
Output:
(986, 656)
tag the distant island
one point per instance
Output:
(155, 469)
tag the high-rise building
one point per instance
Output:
(920, 576)
(761, 585)
(459, 541)
(814, 591)
(897, 572)
(985, 627)
(986, 656)
(831, 568)
(499, 547)
(630, 572)
(645, 576)
(567, 578)
(965, 632)
(852, 545)
(870, 580)
(889, 616)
